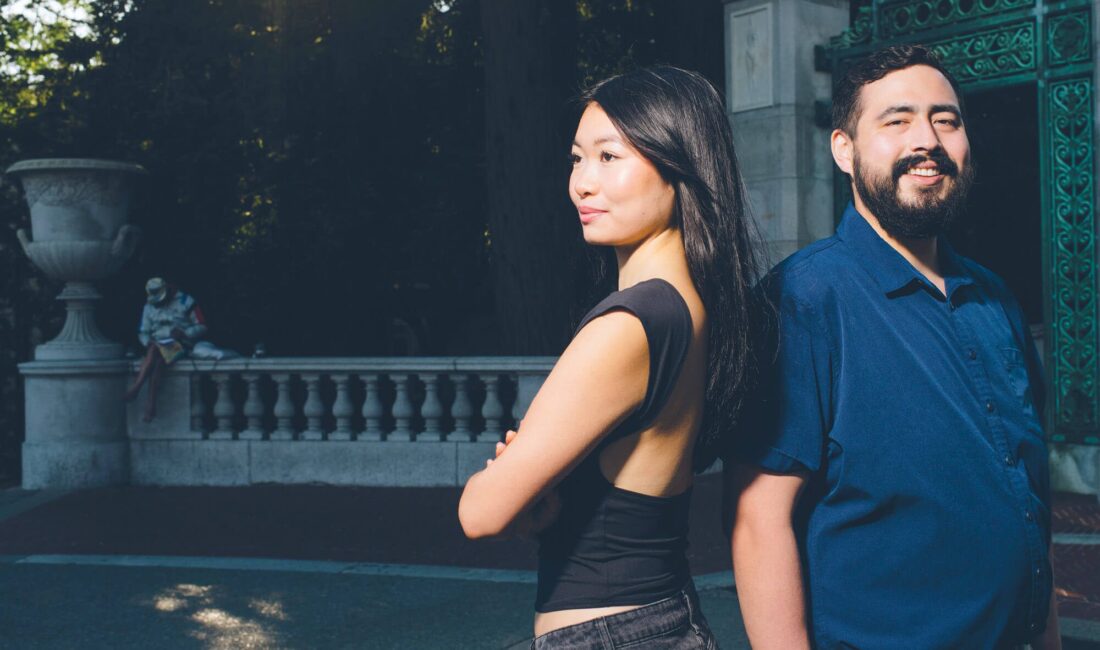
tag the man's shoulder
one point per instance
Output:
(808, 276)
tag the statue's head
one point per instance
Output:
(156, 291)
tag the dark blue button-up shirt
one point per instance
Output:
(925, 522)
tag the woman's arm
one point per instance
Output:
(598, 381)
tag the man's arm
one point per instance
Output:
(145, 329)
(195, 326)
(766, 565)
(1051, 638)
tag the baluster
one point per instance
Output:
(492, 410)
(373, 409)
(284, 409)
(517, 405)
(342, 409)
(223, 408)
(313, 409)
(432, 409)
(198, 404)
(402, 410)
(253, 409)
(462, 409)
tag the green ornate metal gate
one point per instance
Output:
(995, 43)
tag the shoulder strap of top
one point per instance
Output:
(667, 323)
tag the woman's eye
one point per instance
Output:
(574, 159)
(607, 156)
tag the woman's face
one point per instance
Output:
(620, 197)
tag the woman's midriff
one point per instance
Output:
(550, 621)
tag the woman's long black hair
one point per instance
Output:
(676, 119)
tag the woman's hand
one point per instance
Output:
(501, 446)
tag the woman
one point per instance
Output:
(651, 379)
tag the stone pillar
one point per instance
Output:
(75, 424)
(771, 88)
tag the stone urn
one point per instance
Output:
(79, 208)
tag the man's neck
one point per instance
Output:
(922, 253)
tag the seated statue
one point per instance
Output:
(171, 326)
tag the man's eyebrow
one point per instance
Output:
(899, 108)
(906, 108)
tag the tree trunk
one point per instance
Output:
(529, 49)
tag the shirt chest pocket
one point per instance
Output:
(1014, 368)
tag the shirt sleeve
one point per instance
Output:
(786, 424)
(145, 329)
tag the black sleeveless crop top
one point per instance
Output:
(611, 546)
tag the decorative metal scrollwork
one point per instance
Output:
(989, 54)
(860, 32)
(1068, 37)
(1073, 254)
(900, 18)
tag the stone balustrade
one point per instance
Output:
(433, 399)
(391, 421)
(357, 421)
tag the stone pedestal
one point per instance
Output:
(771, 88)
(75, 424)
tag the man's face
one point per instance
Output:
(910, 157)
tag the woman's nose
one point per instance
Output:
(583, 180)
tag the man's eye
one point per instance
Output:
(895, 122)
(948, 121)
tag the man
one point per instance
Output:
(170, 323)
(891, 491)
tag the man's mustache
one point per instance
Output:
(946, 166)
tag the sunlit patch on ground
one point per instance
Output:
(269, 608)
(223, 631)
(217, 628)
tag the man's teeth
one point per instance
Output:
(931, 171)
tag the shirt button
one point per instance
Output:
(1009, 460)
(1038, 572)
(972, 354)
(1029, 516)
(989, 406)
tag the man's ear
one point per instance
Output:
(843, 148)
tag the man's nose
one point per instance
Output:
(923, 136)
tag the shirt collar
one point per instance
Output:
(892, 272)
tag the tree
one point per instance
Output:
(530, 72)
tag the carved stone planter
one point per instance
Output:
(79, 208)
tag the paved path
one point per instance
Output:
(322, 567)
(178, 603)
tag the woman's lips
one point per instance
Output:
(588, 215)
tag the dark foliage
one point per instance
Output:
(317, 167)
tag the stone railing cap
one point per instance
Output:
(95, 164)
(370, 364)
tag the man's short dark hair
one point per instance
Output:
(875, 66)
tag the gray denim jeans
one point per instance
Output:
(675, 623)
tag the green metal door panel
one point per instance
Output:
(1071, 231)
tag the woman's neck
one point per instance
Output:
(662, 255)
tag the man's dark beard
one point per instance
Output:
(931, 215)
